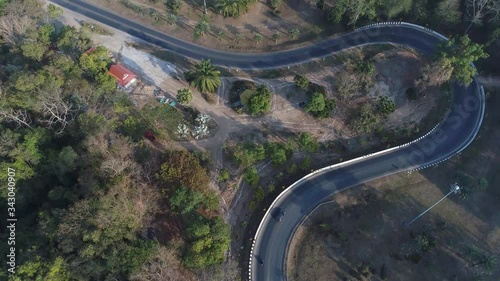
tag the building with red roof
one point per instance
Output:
(123, 76)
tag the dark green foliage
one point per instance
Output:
(205, 77)
(184, 96)
(261, 102)
(365, 67)
(248, 155)
(319, 106)
(277, 152)
(209, 239)
(461, 51)
(316, 103)
(224, 175)
(251, 176)
(412, 93)
(385, 106)
(307, 142)
(185, 200)
(301, 81)
(174, 5)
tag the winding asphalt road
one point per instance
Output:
(453, 134)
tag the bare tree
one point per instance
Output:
(19, 117)
(478, 9)
(346, 84)
(57, 111)
(13, 28)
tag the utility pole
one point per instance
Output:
(454, 189)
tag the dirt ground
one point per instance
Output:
(300, 14)
(364, 231)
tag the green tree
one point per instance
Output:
(396, 7)
(184, 96)
(278, 155)
(205, 77)
(449, 11)
(308, 142)
(34, 50)
(171, 19)
(184, 169)
(365, 67)
(261, 101)
(38, 270)
(251, 176)
(294, 33)
(238, 37)
(95, 61)
(275, 4)
(185, 200)
(353, 9)
(201, 28)
(54, 11)
(232, 8)
(385, 106)
(26, 155)
(174, 5)
(316, 103)
(257, 38)
(105, 83)
(276, 37)
(462, 52)
(223, 175)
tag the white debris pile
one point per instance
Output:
(201, 129)
(148, 66)
(183, 131)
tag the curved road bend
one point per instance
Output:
(454, 134)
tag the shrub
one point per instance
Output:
(301, 81)
(184, 96)
(260, 102)
(251, 176)
(307, 142)
(385, 106)
(365, 67)
(223, 175)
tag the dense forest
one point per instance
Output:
(88, 187)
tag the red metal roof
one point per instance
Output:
(123, 75)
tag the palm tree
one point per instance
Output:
(219, 35)
(205, 77)
(171, 19)
(201, 28)
(257, 37)
(294, 33)
(232, 8)
(238, 37)
(155, 14)
(224, 7)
